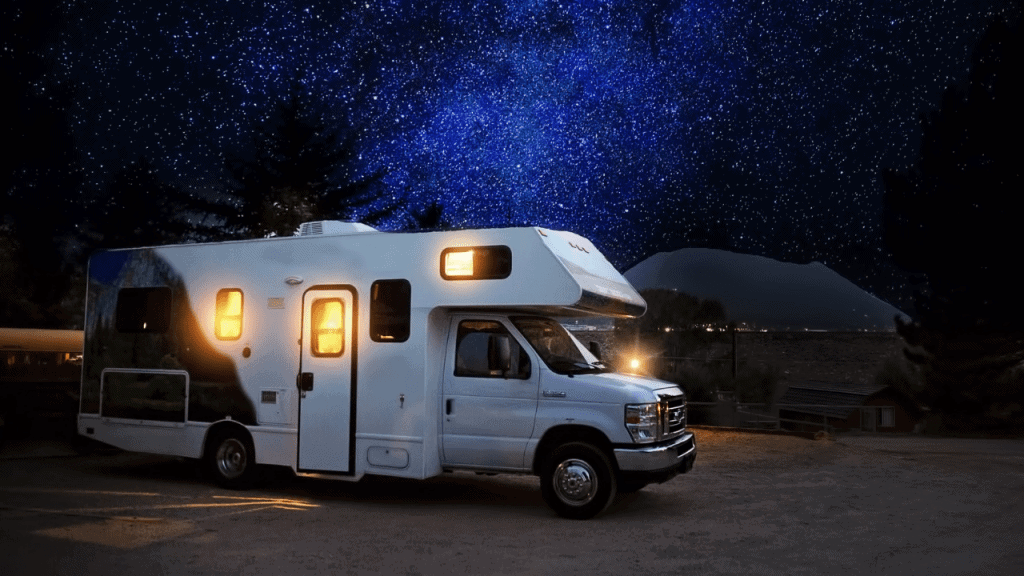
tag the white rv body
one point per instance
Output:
(191, 349)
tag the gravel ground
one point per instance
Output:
(753, 504)
(862, 504)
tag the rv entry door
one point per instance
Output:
(326, 380)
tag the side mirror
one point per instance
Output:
(595, 349)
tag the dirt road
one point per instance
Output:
(754, 504)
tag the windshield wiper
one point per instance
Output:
(571, 367)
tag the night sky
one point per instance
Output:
(761, 127)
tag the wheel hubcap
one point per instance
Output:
(231, 460)
(575, 482)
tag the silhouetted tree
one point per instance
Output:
(674, 323)
(39, 170)
(430, 218)
(954, 218)
(299, 169)
(139, 208)
(672, 311)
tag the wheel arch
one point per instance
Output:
(561, 434)
(221, 427)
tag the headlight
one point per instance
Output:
(642, 421)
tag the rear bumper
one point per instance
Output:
(656, 462)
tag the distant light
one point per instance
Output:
(634, 363)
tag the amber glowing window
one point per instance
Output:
(328, 327)
(228, 322)
(476, 263)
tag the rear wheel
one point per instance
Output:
(231, 459)
(577, 480)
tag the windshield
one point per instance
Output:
(559, 349)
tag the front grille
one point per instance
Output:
(673, 410)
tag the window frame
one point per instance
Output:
(217, 314)
(133, 297)
(314, 334)
(882, 411)
(502, 254)
(385, 314)
(525, 363)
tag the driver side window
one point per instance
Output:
(485, 349)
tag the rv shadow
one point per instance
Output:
(457, 488)
(460, 488)
(129, 465)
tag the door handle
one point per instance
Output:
(305, 381)
(448, 406)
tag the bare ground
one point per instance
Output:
(754, 504)
(865, 504)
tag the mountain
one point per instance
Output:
(765, 292)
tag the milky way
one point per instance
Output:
(646, 126)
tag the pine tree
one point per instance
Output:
(431, 217)
(299, 169)
(39, 170)
(139, 208)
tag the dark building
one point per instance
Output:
(847, 406)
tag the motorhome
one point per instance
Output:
(344, 351)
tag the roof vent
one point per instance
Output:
(333, 228)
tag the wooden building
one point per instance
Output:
(813, 404)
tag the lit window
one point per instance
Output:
(458, 264)
(228, 322)
(476, 263)
(328, 327)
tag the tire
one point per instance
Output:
(577, 481)
(231, 459)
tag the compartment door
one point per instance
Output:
(326, 380)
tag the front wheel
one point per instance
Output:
(231, 459)
(577, 481)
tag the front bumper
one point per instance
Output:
(676, 457)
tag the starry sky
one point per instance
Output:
(759, 126)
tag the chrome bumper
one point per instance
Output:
(654, 458)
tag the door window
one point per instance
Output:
(887, 417)
(485, 349)
(328, 327)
